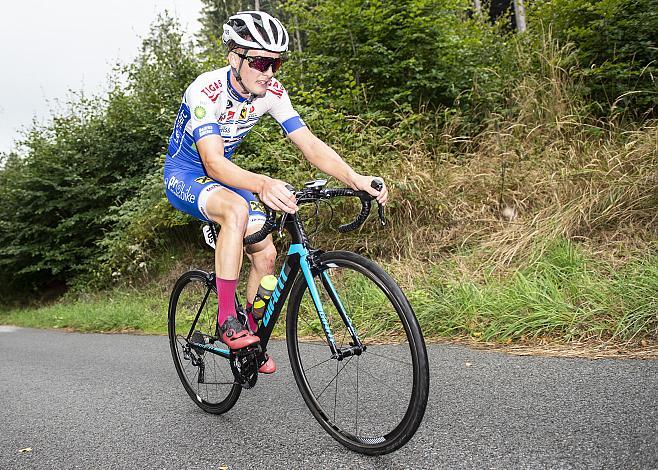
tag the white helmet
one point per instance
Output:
(256, 30)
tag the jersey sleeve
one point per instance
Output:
(281, 109)
(203, 97)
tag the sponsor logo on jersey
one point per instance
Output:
(230, 115)
(203, 180)
(199, 112)
(179, 125)
(229, 104)
(256, 206)
(243, 113)
(213, 90)
(276, 89)
(205, 130)
(177, 187)
(252, 109)
(210, 188)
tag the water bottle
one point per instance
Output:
(265, 289)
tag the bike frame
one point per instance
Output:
(302, 257)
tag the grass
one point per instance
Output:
(564, 295)
(125, 310)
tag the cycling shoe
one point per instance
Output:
(235, 335)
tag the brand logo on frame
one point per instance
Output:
(275, 296)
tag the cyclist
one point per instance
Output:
(218, 110)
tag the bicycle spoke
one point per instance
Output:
(195, 312)
(334, 377)
(320, 334)
(357, 396)
(318, 364)
(380, 380)
(387, 357)
(336, 392)
(323, 345)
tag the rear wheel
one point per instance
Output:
(206, 377)
(374, 402)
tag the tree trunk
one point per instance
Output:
(519, 13)
(298, 36)
(477, 4)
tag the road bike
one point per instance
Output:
(355, 347)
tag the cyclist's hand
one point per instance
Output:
(363, 183)
(275, 194)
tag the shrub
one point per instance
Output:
(616, 49)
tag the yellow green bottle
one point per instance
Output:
(265, 289)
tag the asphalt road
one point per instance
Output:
(114, 401)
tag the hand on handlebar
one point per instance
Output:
(276, 195)
(364, 183)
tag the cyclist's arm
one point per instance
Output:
(327, 160)
(271, 191)
(211, 149)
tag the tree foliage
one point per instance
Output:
(617, 48)
(85, 161)
(214, 14)
(381, 55)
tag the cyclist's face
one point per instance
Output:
(255, 80)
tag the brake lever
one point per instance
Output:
(285, 214)
(282, 223)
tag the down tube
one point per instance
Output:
(279, 296)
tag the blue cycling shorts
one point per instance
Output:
(188, 188)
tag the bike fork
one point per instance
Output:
(356, 347)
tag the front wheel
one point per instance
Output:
(206, 377)
(373, 402)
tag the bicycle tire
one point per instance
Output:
(391, 326)
(195, 292)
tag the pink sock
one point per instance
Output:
(253, 325)
(226, 298)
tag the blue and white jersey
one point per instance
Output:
(211, 106)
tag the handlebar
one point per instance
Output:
(315, 192)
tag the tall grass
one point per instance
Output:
(112, 311)
(564, 295)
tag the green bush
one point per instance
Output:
(92, 157)
(616, 48)
(381, 55)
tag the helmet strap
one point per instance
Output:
(236, 73)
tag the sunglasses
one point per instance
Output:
(262, 63)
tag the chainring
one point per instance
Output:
(244, 364)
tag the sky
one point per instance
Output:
(50, 47)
